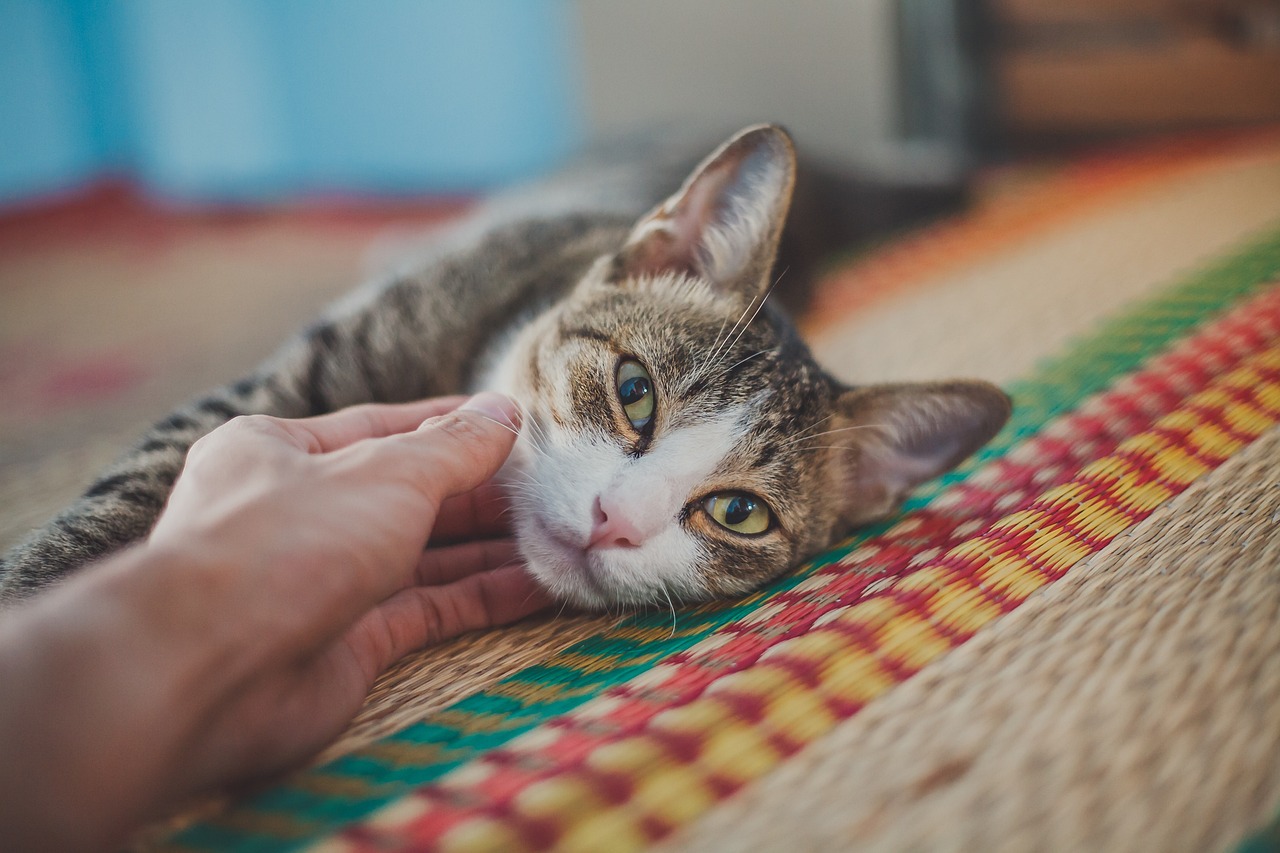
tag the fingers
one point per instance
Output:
(340, 429)
(453, 562)
(456, 452)
(479, 513)
(419, 616)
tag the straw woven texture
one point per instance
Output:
(1132, 706)
(1069, 643)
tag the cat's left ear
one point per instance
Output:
(725, 222)
(892, 438)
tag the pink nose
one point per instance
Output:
(613, 529)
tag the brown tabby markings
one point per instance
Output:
(545, 308)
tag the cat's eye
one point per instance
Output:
(739, 512)
(635, 391)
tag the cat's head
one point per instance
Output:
(680, 442)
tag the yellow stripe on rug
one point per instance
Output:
(748, 721)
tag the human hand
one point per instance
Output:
(337, 585)
(286, 573)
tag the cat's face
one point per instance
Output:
(664, 451)
(679, 441)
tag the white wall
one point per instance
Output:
(824, 68)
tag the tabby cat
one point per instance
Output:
(679, 439)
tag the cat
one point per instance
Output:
(679, 440)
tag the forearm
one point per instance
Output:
(234, 643)
(105, 680)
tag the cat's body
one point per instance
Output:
(679, 438)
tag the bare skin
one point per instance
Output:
(288, 570)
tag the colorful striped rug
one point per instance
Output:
(1071, 642)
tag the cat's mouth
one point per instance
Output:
(566, 566)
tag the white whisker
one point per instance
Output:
(742, 361)
(663, 586)
(834, 431)
(720, 351)
(716, 343)
(507, 426)
(756, 313)
(814, 425)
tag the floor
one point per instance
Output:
(114, 308)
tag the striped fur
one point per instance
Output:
(519, 300)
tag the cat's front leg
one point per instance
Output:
(349, 358)
(120, 505)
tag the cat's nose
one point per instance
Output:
(611, 528)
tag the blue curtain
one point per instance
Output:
(233, 99)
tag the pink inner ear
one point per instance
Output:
(922, 430)
(660, 251)
(698, 208)
(669, 239)
(898, 472)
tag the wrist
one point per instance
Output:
(104, 689)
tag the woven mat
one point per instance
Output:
(1069, 643)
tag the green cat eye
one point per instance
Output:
(635, 390)
(739, 512)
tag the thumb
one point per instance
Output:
(456, 452)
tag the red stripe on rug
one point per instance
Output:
(960, 534)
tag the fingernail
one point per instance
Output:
(499, 407)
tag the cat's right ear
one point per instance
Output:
(725, 222)
(892, 438)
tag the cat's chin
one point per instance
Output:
(572, 579)
(568, 572)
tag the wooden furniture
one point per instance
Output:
(1099, 67)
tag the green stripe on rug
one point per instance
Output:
(1265, 840)
(319, 801)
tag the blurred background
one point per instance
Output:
(234, 100)
(185, 182)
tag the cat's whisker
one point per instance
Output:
(528, 419)
(507, 426)
(715, 345)
(539, 436)
(724, 333)
(739, 328)
(742, 361)
(663, 586)
(534, 433)
(805, 432)
(758, 308)
(719, 351)
(737, 324)
(834, 431)
(535, 446)
(532, 592)
(543, 437)
(528, 490)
